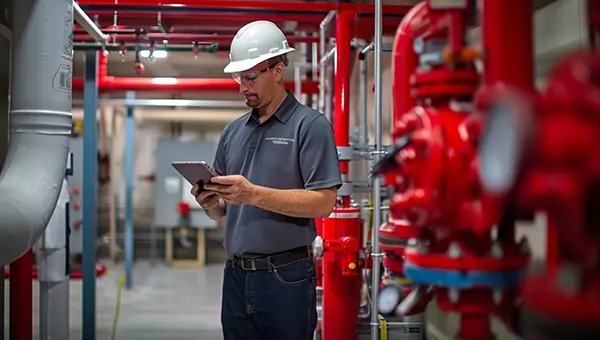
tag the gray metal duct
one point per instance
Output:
(40, 122)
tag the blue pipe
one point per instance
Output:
(129, 178)
(89, 189)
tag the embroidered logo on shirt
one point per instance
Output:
(280, 140)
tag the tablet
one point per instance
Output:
(195, 172)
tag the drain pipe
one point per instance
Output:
(53, 273)
(376, 254)
(323, 49)
(40, 122)
(364, 121)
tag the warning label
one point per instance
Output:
(62, 79)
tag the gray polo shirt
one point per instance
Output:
(294, 149)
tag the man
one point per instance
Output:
(279, 169)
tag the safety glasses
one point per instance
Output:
(250, 76)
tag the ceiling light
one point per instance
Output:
(156, 54)
(164, 81)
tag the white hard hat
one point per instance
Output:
(254, 43)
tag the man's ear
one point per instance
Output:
(279, 69)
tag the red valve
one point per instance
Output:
(184, 208)
(76, 205)
(549, 164)
(77, 224)
(76, 190)
(347, 248)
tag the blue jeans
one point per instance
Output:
(279, 304)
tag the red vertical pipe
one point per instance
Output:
(508, 48)
(341, 293)
(102, 64)
(21, 302)
(405, 61)
(509, 57)
(404, 64)
(344, 29)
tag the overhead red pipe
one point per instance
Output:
(278, 6)
(189, 37)
(344, 29)
(164, 84)
(21, 300)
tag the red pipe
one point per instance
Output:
(215, 22)
(102, 65)
(189, 37)
(124, 6)
(341, 275)
(163, 84)
(509, 48)
(341, 116)
(405, 61)
(404, 64)
(21, 301)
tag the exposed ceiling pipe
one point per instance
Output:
(230, 23)
(88, 25)
(233, 6)
(189, 37)
(164, 84)
(40, 123)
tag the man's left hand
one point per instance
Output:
(233, 189)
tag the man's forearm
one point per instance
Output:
(218, 211)
(295, 202)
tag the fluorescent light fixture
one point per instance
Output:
(156, 54)
(164, 81)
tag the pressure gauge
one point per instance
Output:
(389, 298)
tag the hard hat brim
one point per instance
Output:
(245, 65)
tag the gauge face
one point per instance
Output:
(388, 299)
(500, 149)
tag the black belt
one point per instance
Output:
(271, 261)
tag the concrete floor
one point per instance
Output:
(165, 303)
(183, 304)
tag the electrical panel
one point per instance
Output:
(172, 189)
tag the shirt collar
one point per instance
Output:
(283, 113)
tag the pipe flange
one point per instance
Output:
(345, 153)
(347, 189)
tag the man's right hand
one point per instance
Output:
(206, 199)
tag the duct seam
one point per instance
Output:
(44, 122)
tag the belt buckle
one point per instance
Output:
(252, 264)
